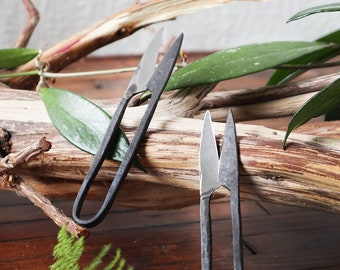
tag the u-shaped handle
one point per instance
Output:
(104, 149)
(156, 85)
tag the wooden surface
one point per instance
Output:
(274, 236)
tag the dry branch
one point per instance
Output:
(118, 26)
(32, 21)
(306, 174)
(11, 182)
(250, 96)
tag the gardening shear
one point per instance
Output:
(144, 78)
(215, 172)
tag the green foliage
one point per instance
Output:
(240, 61)
(11, 58)
(318, 105)
(68, 250)
(81, 122)
(314, 10)
(320, 56)
(74, 116)
(249, 59)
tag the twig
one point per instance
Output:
(32, 21)
(10, 181)
(14, 159)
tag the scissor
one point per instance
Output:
(215, 172)
(144, 78)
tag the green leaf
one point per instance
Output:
(11, 58)
(321, 103)
(314, 10)
(333, 114)
(240, 61)
(281, 76)
(81, 122)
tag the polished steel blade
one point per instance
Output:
(208, 158)
(163, 71)
(145, 67)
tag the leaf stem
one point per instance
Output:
(87, 73)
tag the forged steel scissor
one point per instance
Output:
(144, 78)
(215, 172)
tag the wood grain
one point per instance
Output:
(306, 174)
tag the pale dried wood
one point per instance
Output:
(254, 95)
(117, 26)
(306, 174)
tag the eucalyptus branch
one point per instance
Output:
(116, 27)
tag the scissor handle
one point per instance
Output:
(156, 85)
(104, 149)
(206, 242)
(236, 228)
(121, 173)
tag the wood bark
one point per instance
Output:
(306, 174)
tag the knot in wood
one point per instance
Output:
(5, 142)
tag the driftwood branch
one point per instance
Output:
(32, 21)
(10, 181)
(250, 96)
(118, 26)
(306, 174)
(247, 104)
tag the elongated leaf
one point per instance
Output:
(320, 56)
(80, 121)
(240, 61)
(319, 104)
(11, 58)
(333, 114)
(314, 10)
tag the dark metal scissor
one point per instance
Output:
(144, 78)
(217, 172)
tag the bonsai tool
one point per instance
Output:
(217, 172)
(143, 79)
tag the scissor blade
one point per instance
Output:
(228, 172)
(208, 158)
(229, 177)
(162, 73)
(146, 66)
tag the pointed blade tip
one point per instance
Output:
(162, 73)
(208, 157)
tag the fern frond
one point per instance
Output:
(98, 259)
(69, 249)
(121, 264)
(114, 261)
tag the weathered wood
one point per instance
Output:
(306, 174)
